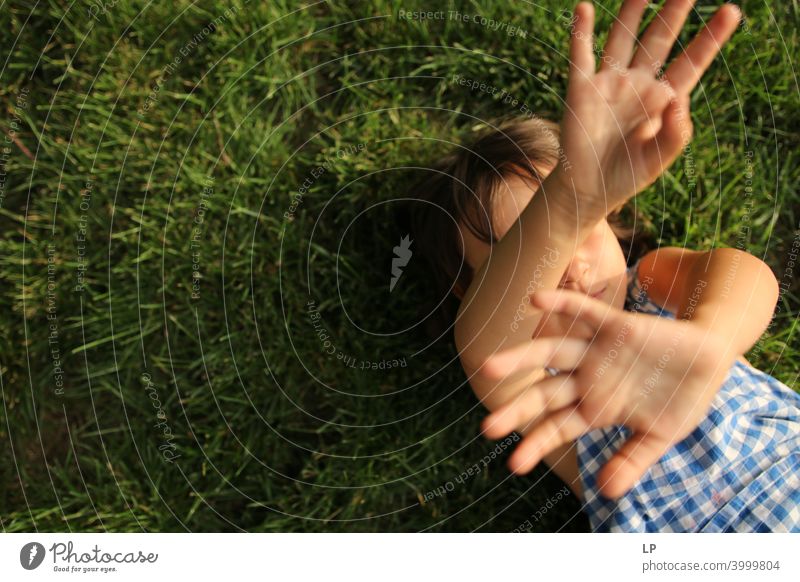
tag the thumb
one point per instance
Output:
(630, 463)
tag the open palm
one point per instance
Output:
(655, 375)
(624, 125)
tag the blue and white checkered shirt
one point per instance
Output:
(738, 471)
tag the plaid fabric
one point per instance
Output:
(738, 471)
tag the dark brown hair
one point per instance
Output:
(461, 188)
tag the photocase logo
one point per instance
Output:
(402, 256)
(31, 555)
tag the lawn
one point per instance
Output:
(198, 210)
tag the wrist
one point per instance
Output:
(724, 346)
(566, 205)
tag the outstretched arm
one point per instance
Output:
(495, 313)
(727, 291)
(622, 127)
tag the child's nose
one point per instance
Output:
(574, 276)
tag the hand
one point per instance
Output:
(655, 375)
(623, 126)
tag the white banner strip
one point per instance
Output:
(400, 557)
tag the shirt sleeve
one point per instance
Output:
(637, 299)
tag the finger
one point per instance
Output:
(554, 324)
(656, 99)
(579, 306)
(686, 70)
(581, 56)
(661, 34)
(556, 352)
(648, 129)
(546, 396)
(654, 104)
(560, 427)
(640, 452)
(675, 133)
(622, 38)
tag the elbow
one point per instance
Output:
(472, 361)
(484, 371)
(771, 284)
(467, 344)
(480, 362)
(761, 272)
(766, 277)
(493, 378)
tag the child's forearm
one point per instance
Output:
(495, 312)
(732, 293)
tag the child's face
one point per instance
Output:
(598, 267)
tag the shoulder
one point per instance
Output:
(663, 272)
(637, 298)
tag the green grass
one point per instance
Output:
(272, 434)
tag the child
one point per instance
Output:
(629, 382)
